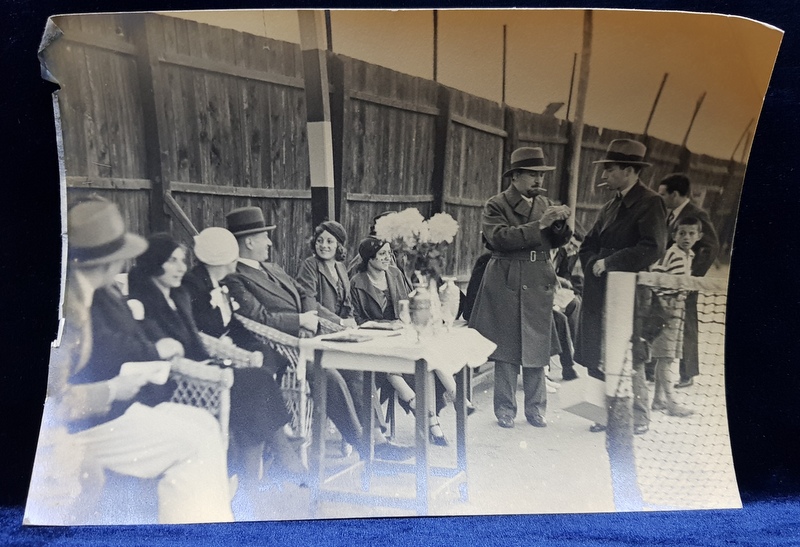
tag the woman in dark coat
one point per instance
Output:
(257, 409)
(376, 291)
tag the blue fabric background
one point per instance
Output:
(761, 332)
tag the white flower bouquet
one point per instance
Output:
(419, 243)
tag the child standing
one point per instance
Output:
(667, 348)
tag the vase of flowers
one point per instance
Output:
(417, 242)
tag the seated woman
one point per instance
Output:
(323, 277)
(257, 409)
(376, 291)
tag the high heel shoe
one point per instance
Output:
(406, 405)
(470, 408)
(435, 433)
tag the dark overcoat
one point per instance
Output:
(514, 305)
(367, 299)
(317, 281)
(630, 242)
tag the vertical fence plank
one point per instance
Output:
(144, 31)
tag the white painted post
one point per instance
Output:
(617, 332)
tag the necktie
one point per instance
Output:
(671, 218)
(613, 210)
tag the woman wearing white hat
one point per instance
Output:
(258, 413)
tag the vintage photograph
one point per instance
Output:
(346, 263)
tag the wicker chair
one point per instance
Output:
(198, 385)
(206, 387)
(296, 391)
(229, 352)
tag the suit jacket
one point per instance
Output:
(367, 299)
(705, 250)
(318, 282)
(272, 298)
(117, 338)
(72, 400)
(514, 305)
(634, 239)
(630, 241)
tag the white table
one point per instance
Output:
(452, 352)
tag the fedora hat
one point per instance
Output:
(216, 247)
(247, 220)
(625, 151)
(96, 234)
(528, 158)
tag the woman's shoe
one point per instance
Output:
(435, 433)
(406, 405)
(470, 408)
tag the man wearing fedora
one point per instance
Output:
(266, 294)
(629, 235)
(264, 291)
(514, 304)
(181, 446)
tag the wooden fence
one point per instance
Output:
(179, 122)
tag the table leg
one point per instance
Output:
(319, 422)
(421, 435)
(367, 440)
(462, 380)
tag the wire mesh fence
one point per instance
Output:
(684, 459)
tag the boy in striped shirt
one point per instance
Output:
(667, 348)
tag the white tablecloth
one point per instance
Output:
(446, 351)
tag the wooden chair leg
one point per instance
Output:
(391, 409)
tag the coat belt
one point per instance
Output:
(527, 256)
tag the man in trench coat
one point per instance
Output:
(630, 233)
(514, 305)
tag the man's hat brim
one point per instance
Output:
(252, 231)
(132, 246)
(537, 168)
(628, 162)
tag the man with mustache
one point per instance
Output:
(514, 305)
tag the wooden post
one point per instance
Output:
(313, 44)
(655, 103)
(618, 366)
(143, 29)
(441, 148)
(329, 29)
(571, 84)
(694, 117)
(580, 106)
(435, 45)
(741, 138)
(512, 141)
(339, 98)
(505, 55)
